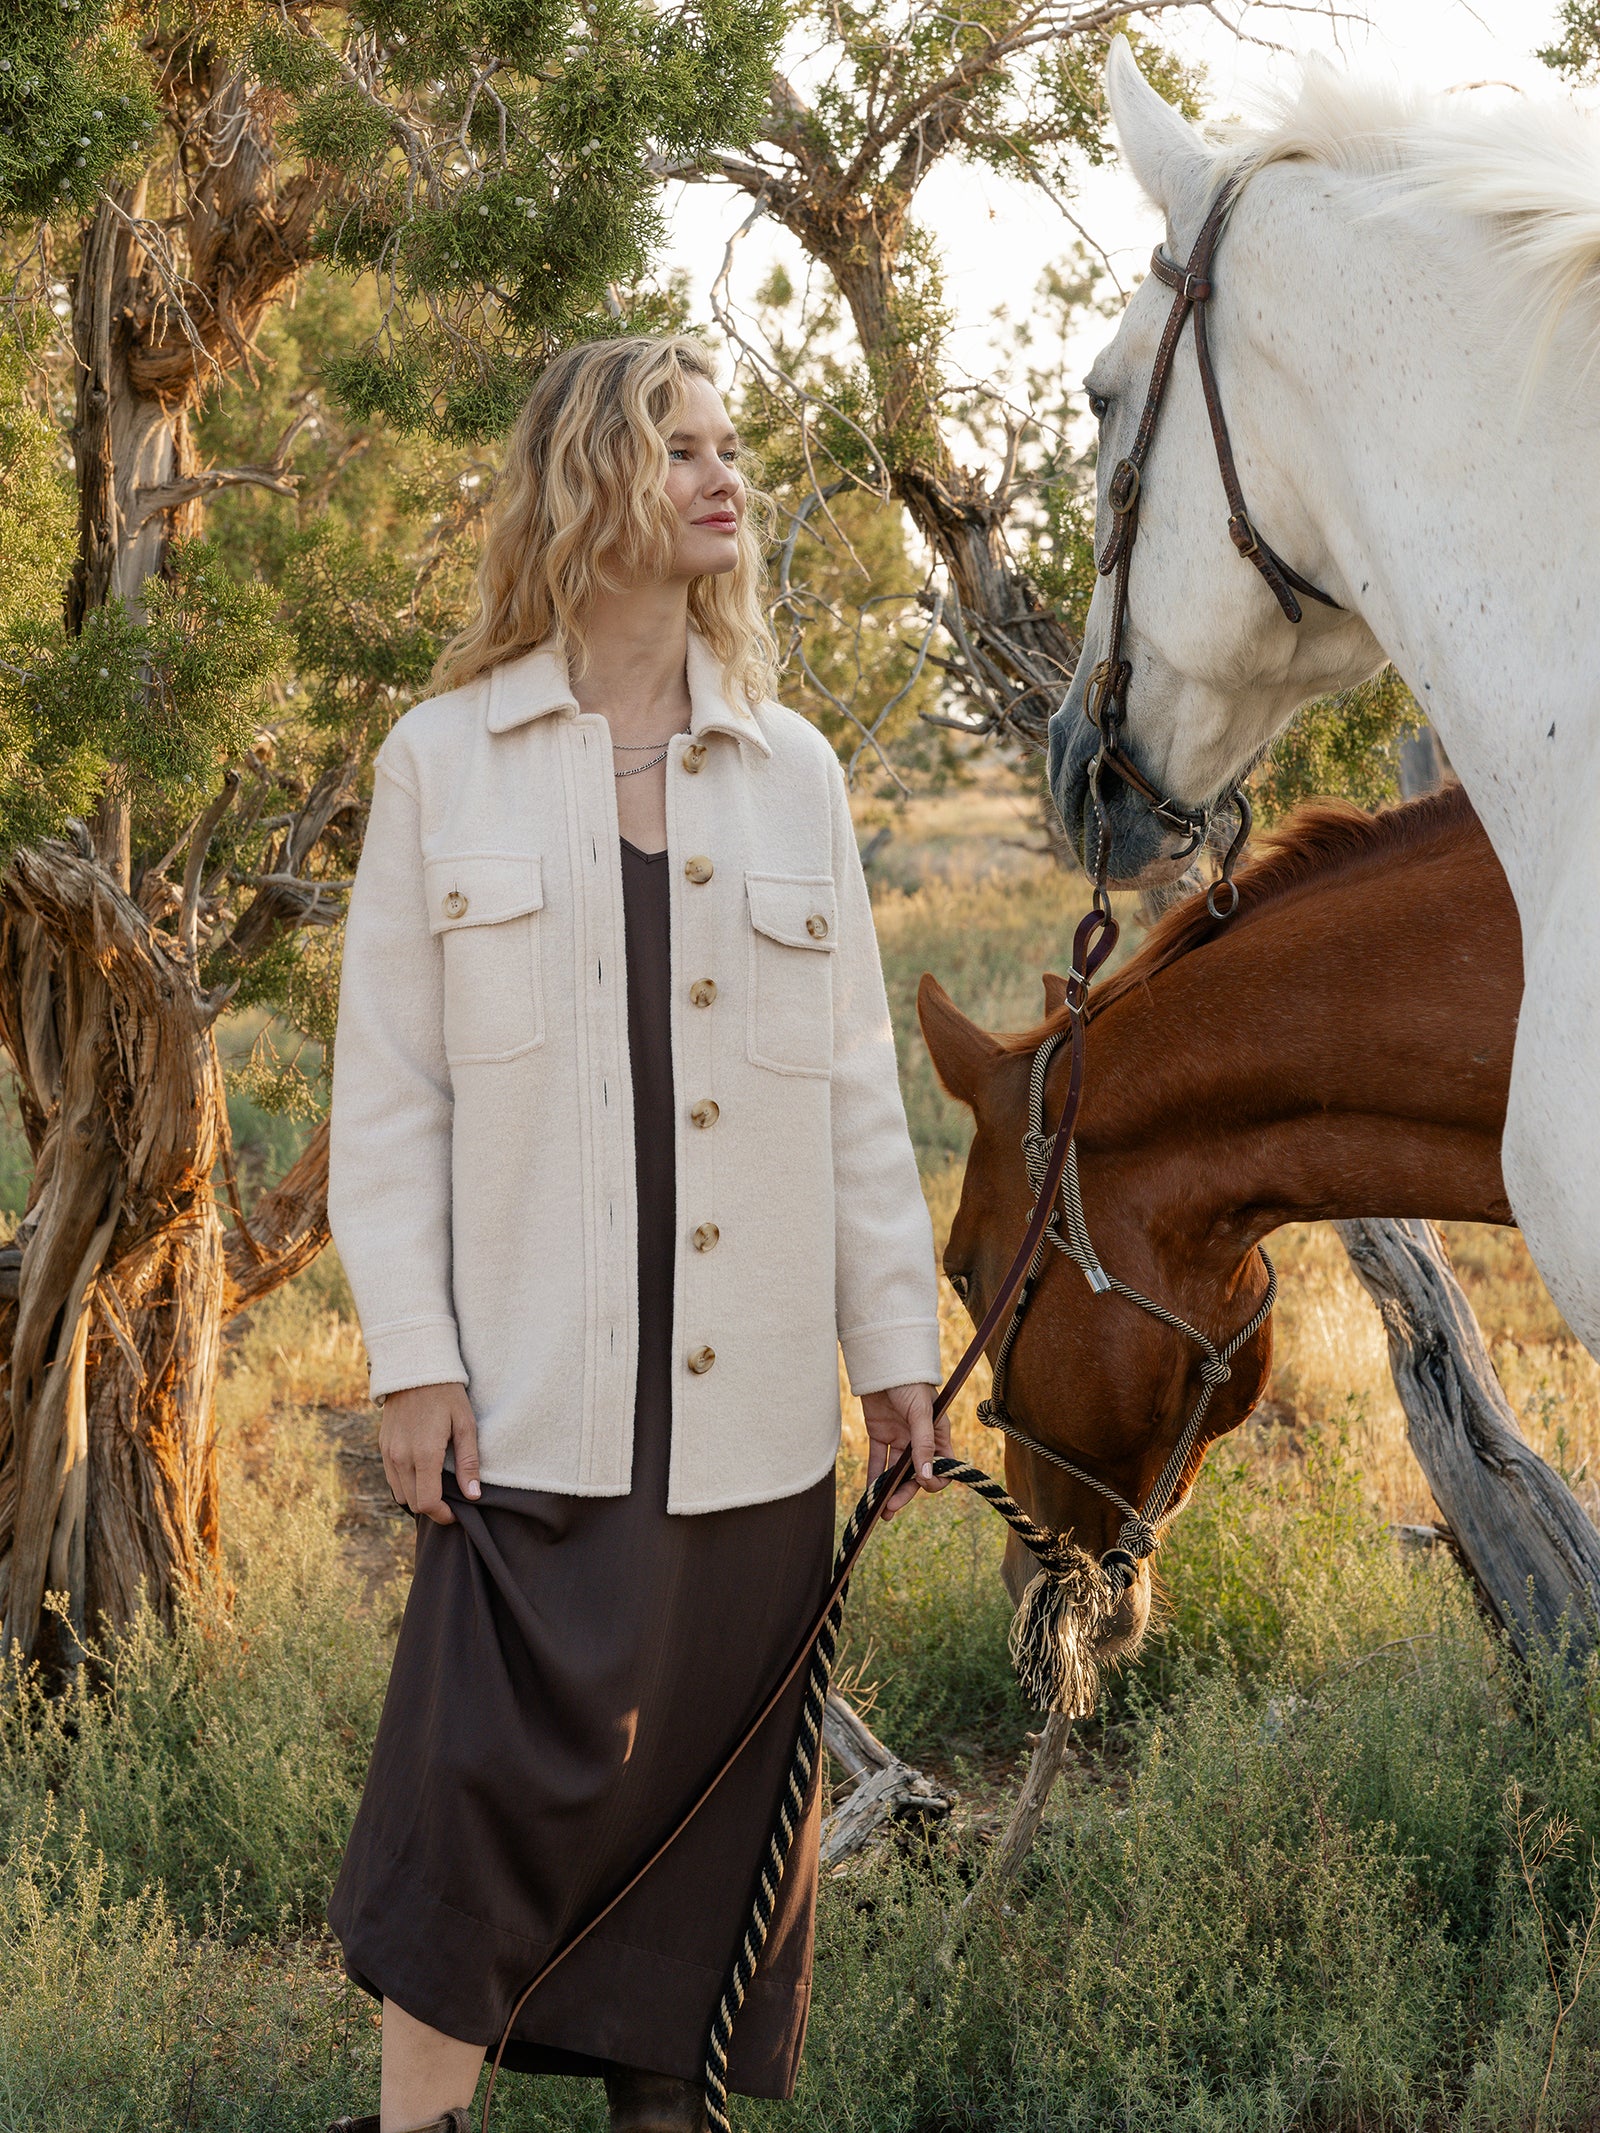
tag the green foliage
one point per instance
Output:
(1281, 1884)
(220, 1764)
(168, 698)
(1576, 52)
(924, 1648)
(115, 2017)
(77, 104)
(36, 505)
(847, 611)
(365, 632)
(493, 167)
(1346, 746)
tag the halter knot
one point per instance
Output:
(1214, 1371)
(1138, 1538)
(1036, 1155)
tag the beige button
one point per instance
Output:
(817, 926)
(693, 756)
(699, 869)
(706, 1112)
(701, 1361)
(705, 1237)
(454, 904)
(703, 991)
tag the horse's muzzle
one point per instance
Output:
(1143, 850)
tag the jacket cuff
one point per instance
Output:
(413, 1351)
(906, 1353)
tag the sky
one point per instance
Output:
(997, 237)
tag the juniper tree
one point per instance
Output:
(992, 483)
(177, 827)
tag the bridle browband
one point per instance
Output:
(1105, 703)
(1141, 1523)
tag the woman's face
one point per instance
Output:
(704, 486)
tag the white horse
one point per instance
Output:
(1406, 335)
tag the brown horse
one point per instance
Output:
(1340, 1047)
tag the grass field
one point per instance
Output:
(1325, 1860)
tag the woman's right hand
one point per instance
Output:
(419, 1426)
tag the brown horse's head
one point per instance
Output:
(1094, 1377)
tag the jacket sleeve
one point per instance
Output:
(390, 1125)
(886, 1293)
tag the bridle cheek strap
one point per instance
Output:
(1141, 1527)
(1105, 700)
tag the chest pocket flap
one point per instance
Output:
(797, 910)
(793, 930)
(484, 906)
(481, 888)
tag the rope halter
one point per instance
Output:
(1068, 1232)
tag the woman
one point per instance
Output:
(618, 1165)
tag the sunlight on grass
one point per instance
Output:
(1278, 1889)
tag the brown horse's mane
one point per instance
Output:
(1320, 842)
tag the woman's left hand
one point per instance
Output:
(898, 1416)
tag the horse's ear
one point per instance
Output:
(1164, 152)
(1055, 993)
(963, 1055)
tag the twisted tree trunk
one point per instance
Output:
(115, 1290)
(121, 1271)
(1527, 1542)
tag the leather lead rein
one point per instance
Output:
(1094, 940)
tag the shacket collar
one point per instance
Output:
(538, 683)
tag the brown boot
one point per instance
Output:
(456, 2121)
(653, 2103)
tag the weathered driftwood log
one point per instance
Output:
(1532, 1551)
(887, 1789)
(1016, 1839)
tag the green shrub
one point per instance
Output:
(219, 1765)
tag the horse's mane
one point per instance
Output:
(1322, 842)
(1531, 166)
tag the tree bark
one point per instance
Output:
(1016, 1839)
(121, 1272)
(1016, 658)
(1531, 1550)
(887, 1789)
(121, 1269)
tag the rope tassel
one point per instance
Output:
(1054, 1634)
(1065, 1610)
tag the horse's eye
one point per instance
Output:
(960, 1283)
(1098, 406)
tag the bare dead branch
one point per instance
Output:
(199, 844)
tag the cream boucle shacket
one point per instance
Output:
(481, 1181)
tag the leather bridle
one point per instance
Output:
(1140, 1534)
(1105, 703)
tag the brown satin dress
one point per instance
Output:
(569, 1672)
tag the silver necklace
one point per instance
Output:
(643, 748)
(634, 769)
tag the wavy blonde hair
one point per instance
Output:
(581, 507)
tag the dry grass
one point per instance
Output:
(1332, 1361)
(987, 918)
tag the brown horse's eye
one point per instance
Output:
(959, 1282)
